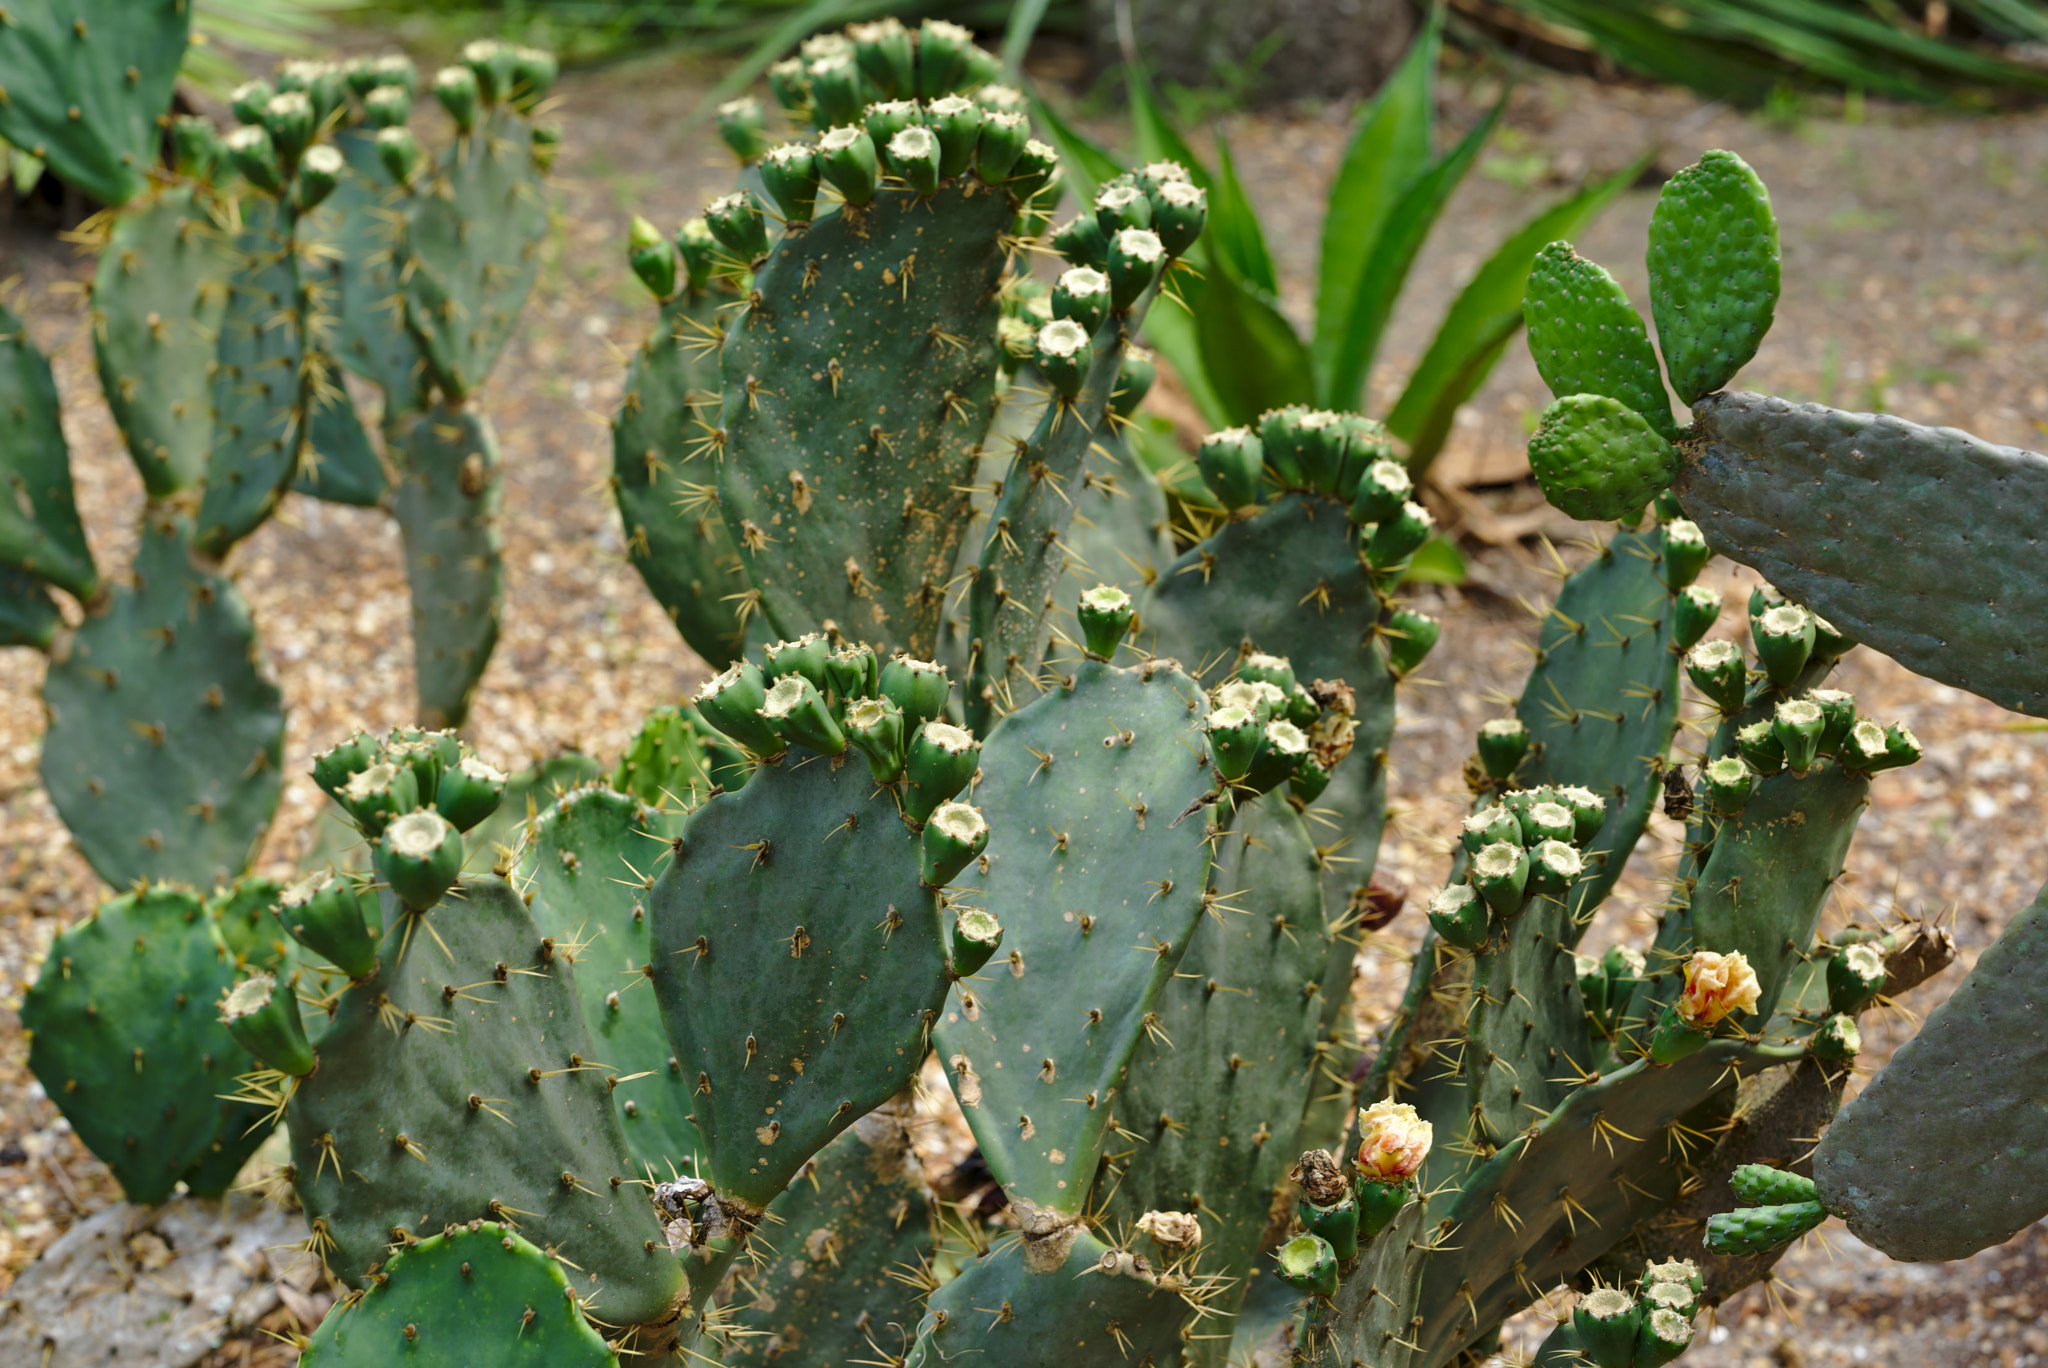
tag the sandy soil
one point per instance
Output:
(1914, 270)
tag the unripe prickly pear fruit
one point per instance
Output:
(1064, 355)
(1589, 810)
(1545, 821)
(653, 258)
(1484, 827)
(1784, 637)
(1856, 975)
(1693, 613)
(1665, 1334)
(1283, 436)
(956, 121)
(1104, 613)
(1395, 539)
(732, 702)
(1233, 741)
(1761, 749)
(319, 172)
(699, 251)
(744, 127)
(1309, 779)
(1336, 1225)
(1717, 670)
(1681, 1271)
(1828, 643)
(1838, 714)
(807, 655)
(1082, 242)
(796, 710)
(533, 72)
(324, 913)
(955, 835)
(1459, 917)
(939, 762)
(1082, 295)
(914, 156)
(874, 727)
(853, 671)
(247, 100)
(1871, 749)
(1727, 784)
(1133, 381)
(1260, 668)
(918, 687)
(469, 791)
(1836, 1040)
(1306, 1263)
(1606, 1321)
(491, 63)
(334, 767)
(738, 224)
(1282, 747)
(288, 118)
(1383, 491)
(1410, 637)
(1001, 144)
(848, 161)
(836, 94)
(1797, 724)
(1036, 166)
(1180, 210)
(379, 796)
(790, 174)
(976, 937)
(790, 83)
(1501, 872)
(399, 151)
(195, 147)
(1685, 553)
(262, 1014)
(420, 856)
(1230, 463)
(456, 88)
(886, 56)
(1122, 204)
(1553, 868)
(1136, 256)
(249, 152)
(1502, 744)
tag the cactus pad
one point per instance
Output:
(39, 528)
(340, 464)
(1713, 271)
(1878, 525)
(1599, 460)
(165, 734)
(472, 1293)
(363, 223)
(447, 508)
(1588, 339)
(28, 615)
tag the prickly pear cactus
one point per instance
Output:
(447, 502)
(1713, 271)
(28, 615)
(40, 534)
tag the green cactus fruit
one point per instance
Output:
(262, 1014)
(913, 155)
(1488, 825)
(1384, 488)
(1757, 1230)
(1942, 1153)
(1336, 1226)
(918, 687)
(1695, 610)
(1553, 868)
(1180, 211)
(326, 913)
(1122, 204)
(874, 727)
(938, 764)
(652, 257)
(739, 225)
(1685, 553)
(1306, 1263)
(744, 128)
(1136, 257)
(1233, 736)
(732, 703)
(1717, 670)
(473, 238)
(1545, 821)
(886, 55)
(790, 928)
(1713, 272)
(1838, 715)
(581, 859)
(1856, 975)
(1598, 460)
(790, 173)
(469, 791)
(260, 383)
(1796, 726)
(458, 91)
(1081, 297)
(1394, 539)
(853, 672)
(1410, 637)
(1606, 1321)
(339, 463)
(1380, 1204)
(288, 118)
(1501, 873)
(86, 84)
(1063, 356)
(836, 91)
(122, 1035)
(886, 119)
(976, 937)
(798, 713)
(380, 795)
(1587, 338)
(420, 856)
(1665, 1334)
(1783, 636)
(1727, 785)
(40, 533)
(1674, 1039)
(1762, 1185)
(1105, 614)
(165, 735)
(955, 835)
(399, 153)
(1083, 243)
(447, 503)
(851, 1224)
(1459, 917)
(1761, 749)
(675, 760)
(470, 1292)
(808, 655)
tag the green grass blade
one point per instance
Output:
(1250, 355)
(1488, 312)
(1084, 163)
(1170, 331)
(1234, 233)
(1390, 149)
(1024, 22)
(1386, 271)
(1158, 139)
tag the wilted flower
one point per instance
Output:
(1174, 1230)
(1716, 987)
(1392, 1141)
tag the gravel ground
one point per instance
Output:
(1914, 269)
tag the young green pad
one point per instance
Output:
(476, 1293)
(339, 464)
(1943, 1153)
(1810, 497)
(1214, 1107)
(260, 382)
(473, 239)
(1588, 339)
(1098, 888)
(675, 536)
(124, 1036)
(799, 965)
(447, 504)
(855, 400)
(581, 855)
(440, 1081)
(1598, 459)
(158, 300)
(39, 529)
(166, 735)
(852, 1225)
(1713, 271)
(86, 83)
(363, 227)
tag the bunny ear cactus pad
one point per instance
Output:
(1096, 870)
(458, 1084)
(1588, 339)
(580, 855)
(123, 1035)
(1713, 272)
(1599, 460)
(1945, 1153)
(476, 1293)
(1878, 525)
(857, 386)
(799, 965)
(40, 533)
(675, 535)
(85, 82)
(447, 509)
(165, 736)
(473, 239)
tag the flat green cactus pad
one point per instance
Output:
(474, 239)
(1879, 525)
(340, 463)
(86, 81)
(442, 1078)
(857, 389)
(1713, 271)
(1587, 337)
(259, 381)
(28, 615)
(1096, 870)
(124, 1036)
(166, 735)
(447, 503)
(854, 1228)
(1598, 459)
(476, 1293)
(39, 528)
(798, 962)
(1215, 1094)
(675, 536)
(580, 859)
(158, 300)
(1120, 530)
(363, 226)
(1945, 1152)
